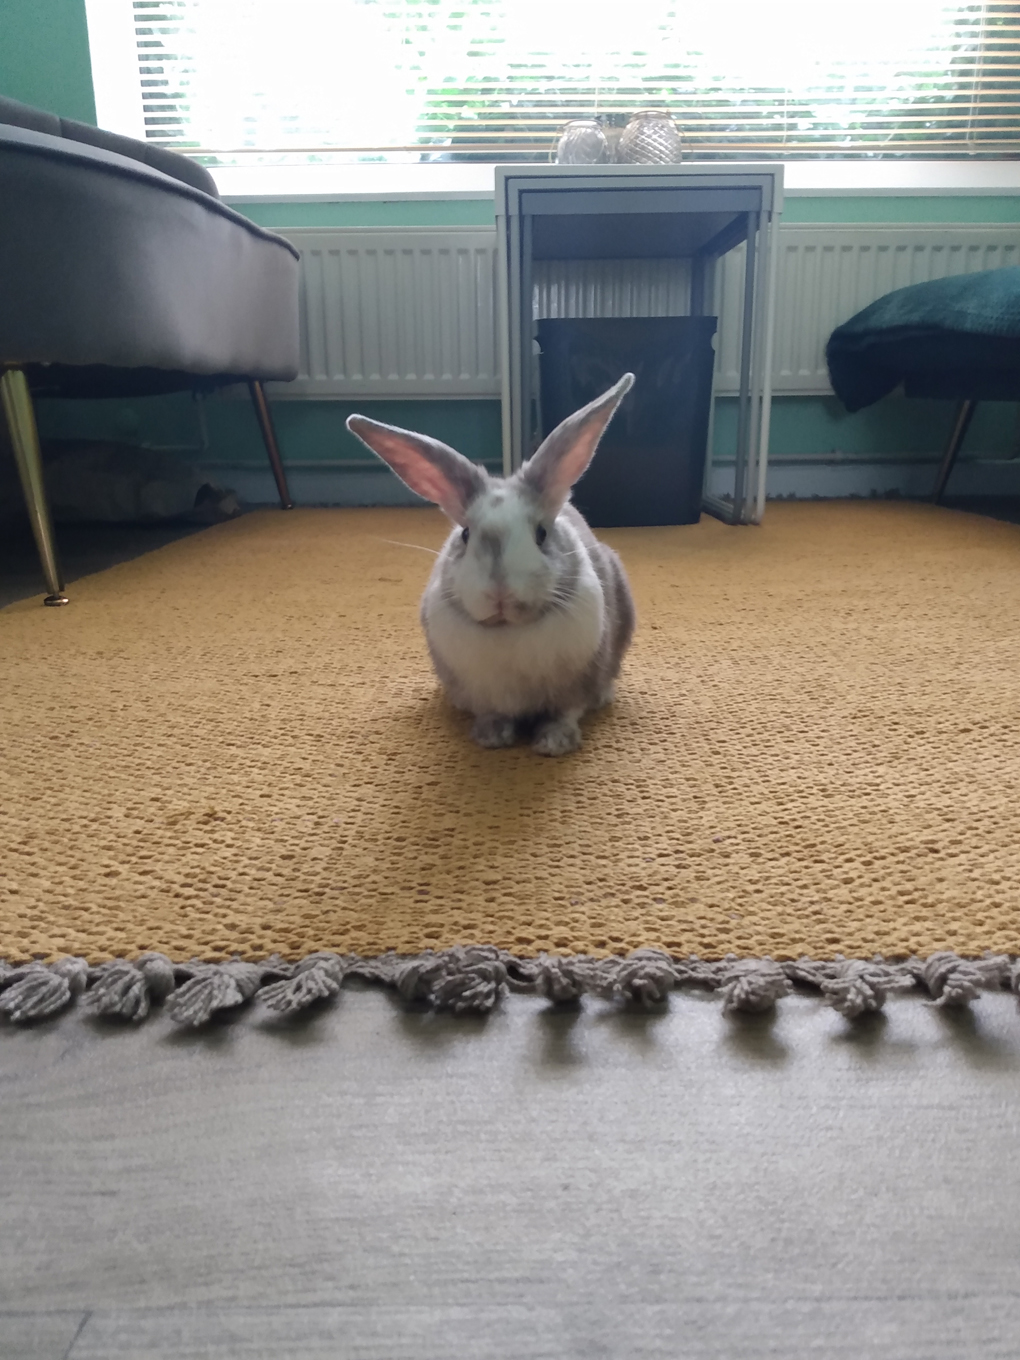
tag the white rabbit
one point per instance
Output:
(526, 614)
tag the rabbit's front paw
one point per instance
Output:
(492, 731)
(558, 736)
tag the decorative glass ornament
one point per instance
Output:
(650, 138)
(582, 142)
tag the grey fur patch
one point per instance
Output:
(491, 543)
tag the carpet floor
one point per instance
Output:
(235, 745)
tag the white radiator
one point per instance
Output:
(405, 312)
(826, 274)
(410, 312)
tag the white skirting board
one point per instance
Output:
(308, 486)
(798, 479)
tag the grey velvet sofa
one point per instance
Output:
(123, 273)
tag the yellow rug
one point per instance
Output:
(235, 745)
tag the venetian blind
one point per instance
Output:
(228, 80)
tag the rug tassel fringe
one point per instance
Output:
(35, 990)
(953, 981)
(316, 978)
(211, 987)
(473, 979)
(128, 989)
(853, 987)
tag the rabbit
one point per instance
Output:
(526, 615)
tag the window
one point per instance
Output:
(243, 81)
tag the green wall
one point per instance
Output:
(807, 428)
(44, 56)
(887, 208)
(310, 432)
(468, 212)
(417, 212)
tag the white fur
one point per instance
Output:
(515, 670)
(526, 575)
(512, 669)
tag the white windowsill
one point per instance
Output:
(804, 179)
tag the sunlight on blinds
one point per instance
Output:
(474, 80)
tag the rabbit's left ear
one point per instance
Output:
(426, 465)
(564, 455)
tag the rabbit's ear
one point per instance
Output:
(426, 465)
(564, 455)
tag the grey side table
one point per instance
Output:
(692, 211)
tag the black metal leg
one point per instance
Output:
(17, 404)
(964, 415)
(265, 420)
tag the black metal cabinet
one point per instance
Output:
(696, 212)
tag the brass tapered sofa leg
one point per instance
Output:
(265, 419)
(17, 404)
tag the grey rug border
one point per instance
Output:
(473, 979)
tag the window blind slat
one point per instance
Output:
(498, 79)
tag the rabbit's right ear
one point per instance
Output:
(426, 465)
(563, 456)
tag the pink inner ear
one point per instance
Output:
(426, 465)
(565, 470)
(567, 451)
(416, 470)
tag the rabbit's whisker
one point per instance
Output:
(397, 544)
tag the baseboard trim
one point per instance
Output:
(330, 486)
(796, 479)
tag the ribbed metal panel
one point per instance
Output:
(409, 312)
(828, 273)
(569, 288)
(397, 313)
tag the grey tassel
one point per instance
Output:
(34, 990)
(953, 981)
(562, 981)
(474, 980)
(315, 978)
(212, 987)
(752, 985)
(127, 989)
(858, 988)
(414, 979)
(853, 987)
(463, 979)
(644, 978)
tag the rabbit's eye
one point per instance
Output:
(540, 535)
(465, 534)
